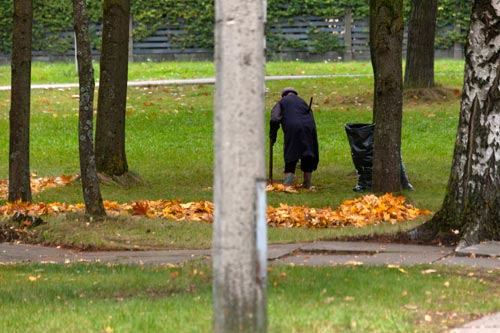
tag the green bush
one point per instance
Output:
(53, 27)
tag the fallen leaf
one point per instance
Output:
(34, 278)
(428, 271)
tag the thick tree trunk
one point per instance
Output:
(111, 105)
(386, 40)
(90, 183)
(472, 203)
(19, 117)
(419, 71)
(239, 241)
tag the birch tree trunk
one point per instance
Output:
(19, 116)
(239, 242)
(386, 43)
(88, 172)
(472, 201)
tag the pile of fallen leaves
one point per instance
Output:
(167, 209)
(38, 184)
(20, 226)
(362, 211)
(278, 187)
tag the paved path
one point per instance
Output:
(208, 80)
(485, 255)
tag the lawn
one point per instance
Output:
(99, 298)
(170, 146)
(170, 141)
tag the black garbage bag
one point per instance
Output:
(360, 138)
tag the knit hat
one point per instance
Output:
(288, 90)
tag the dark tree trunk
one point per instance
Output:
(110, 126)
(90, 183)
(419, 71)
(386, 40)
(472, 203)
(19, 144)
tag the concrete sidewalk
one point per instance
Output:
(208, 80)
(485, 255)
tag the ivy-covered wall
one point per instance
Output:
(52, 31)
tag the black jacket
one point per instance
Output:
(299, 128)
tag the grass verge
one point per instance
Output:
(99, 298)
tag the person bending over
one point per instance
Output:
(301, 140)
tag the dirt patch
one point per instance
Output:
(126, 180)
(448, 239)
(431, 95)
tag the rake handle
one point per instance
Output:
(270, 161)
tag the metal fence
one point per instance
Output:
(351, 36)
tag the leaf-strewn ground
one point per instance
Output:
(362, 211)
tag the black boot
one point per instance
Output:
(307, 180)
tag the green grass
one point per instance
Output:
(170, 141)
(100, 298)
(170, 145)
(67, 72)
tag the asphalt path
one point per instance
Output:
(208, 80)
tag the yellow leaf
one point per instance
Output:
(34, 278)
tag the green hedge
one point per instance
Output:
(52, 30)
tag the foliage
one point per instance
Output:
(360, 212)
(454, 14)
(53, 22)
(6, 13)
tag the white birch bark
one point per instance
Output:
(472, 203)
(239, 284)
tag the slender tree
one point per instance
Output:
(110, 124)
(19, 117)
(239, 241)
(472, 204)
(90, 183)
(419, 72)
(386, 42)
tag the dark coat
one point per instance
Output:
(299, 128)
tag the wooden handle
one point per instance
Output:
(270, 161)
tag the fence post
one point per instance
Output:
(348, 35)
(131, 40)
(457, 47)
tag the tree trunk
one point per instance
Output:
(419, 71)
(111, 105)
(386, 40)
(90, 183)
(19, 117)
(239, 264)
(472, 203)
